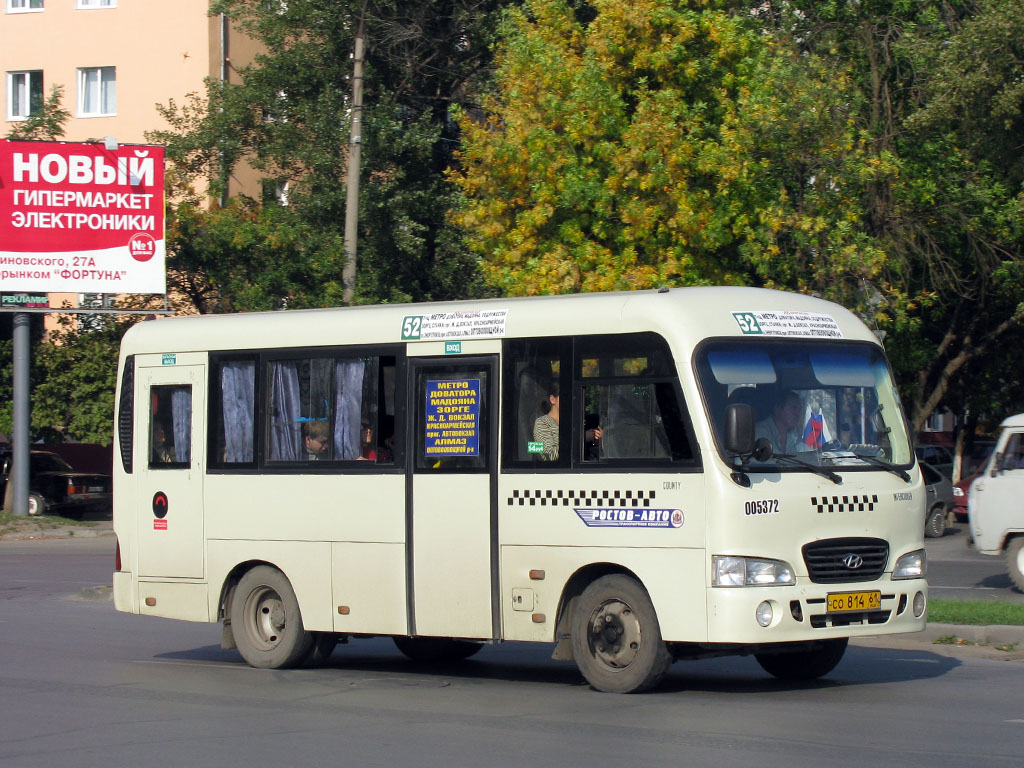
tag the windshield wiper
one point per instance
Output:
(818, 470)
(875, 461)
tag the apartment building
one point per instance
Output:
(116, 60)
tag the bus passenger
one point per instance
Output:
(545, 428)
(316, 437)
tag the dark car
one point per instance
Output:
(937, 456)
(939, 494)
(55, 487)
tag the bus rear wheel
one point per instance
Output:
(266, 620)
(616, 640)
(804, 665)
(436, 650)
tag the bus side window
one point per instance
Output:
(170, 427)
(234, 440)
(537, 415)
(630, 406)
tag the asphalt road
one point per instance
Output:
(83, 685)
(959, 572)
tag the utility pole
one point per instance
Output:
(348, 273)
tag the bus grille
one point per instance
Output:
(834, 561)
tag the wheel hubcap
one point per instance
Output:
(614, 634)
(266, 617)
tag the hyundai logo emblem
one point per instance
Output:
(852, 561)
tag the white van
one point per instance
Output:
(994, 507)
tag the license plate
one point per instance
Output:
(839, 602)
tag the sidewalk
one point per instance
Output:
(23, 528)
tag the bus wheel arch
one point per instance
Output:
(263, 614)
(602, 601)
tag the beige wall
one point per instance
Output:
(161, 49)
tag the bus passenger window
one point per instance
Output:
(629, 409)
(234, 436)
(170, 431)
(538, 411)
(326, 409)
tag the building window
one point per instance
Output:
(97, 91)
(97, 4)
(24, 6)
(24, 94)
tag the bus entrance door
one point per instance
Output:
(170, 478)
(452, 523)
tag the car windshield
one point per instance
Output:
(47, 462)
(819, 403)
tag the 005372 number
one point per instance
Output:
(761, 507)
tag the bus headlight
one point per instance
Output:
(913, 565)
(733, 571)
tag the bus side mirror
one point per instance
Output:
(739, 428)
(997, 464)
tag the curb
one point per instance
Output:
(987, 634)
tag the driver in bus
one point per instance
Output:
(783, 427)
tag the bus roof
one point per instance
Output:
(687, 315)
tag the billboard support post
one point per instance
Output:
(18, 474)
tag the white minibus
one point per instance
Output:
(633, 477)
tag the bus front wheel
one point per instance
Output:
(266, 620)
(616, 639)
(804, 665)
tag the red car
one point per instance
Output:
(960, 497)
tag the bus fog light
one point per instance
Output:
(764, 613)
(918, 604)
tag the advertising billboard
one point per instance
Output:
(80, 218)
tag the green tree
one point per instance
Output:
(662, 142)
(289, 119)
(45, 125)
(937, 104)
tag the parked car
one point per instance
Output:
(960, 493)
(55, 487)
(937, 456)
(939, 494)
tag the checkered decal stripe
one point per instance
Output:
(844, 503)
(627, 499)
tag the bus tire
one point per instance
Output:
(616, 639)
(436, 650)
(804, 665)
(266, 620)
(1015, 561)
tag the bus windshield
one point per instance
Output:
(819, 403)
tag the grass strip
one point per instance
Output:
(975, 612)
